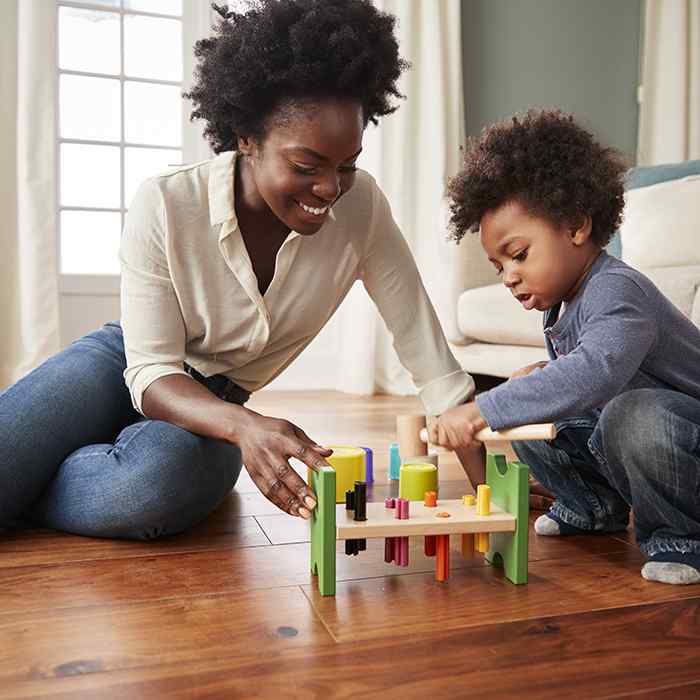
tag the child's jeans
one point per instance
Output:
(76, 456)
(644, 453)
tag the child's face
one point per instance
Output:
(541, 264)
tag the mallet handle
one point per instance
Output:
(535, 431)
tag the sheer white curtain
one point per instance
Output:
(29, 327)
(411, 154)
(198, 18)
(669, 117)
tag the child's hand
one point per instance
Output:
(524, 371)
(457, 427)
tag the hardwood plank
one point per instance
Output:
(593, 655)
(417, 604)
(41, 547)
(111, 581)
(681, 691)
(57, 644)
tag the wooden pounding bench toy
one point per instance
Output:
(494, 523)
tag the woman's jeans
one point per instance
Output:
(642, 453)
(76, 456)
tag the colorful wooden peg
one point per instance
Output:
(481, 543)
(483, 499)
(369, 464)
(417, 478)
(394, 462)
(442, 560)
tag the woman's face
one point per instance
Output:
(305, 163)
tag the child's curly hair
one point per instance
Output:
(261, 62)
(550, 164)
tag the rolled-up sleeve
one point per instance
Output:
(392, 280)
(151, 318)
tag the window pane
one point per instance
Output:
(88, 40)
(161, 7)
(90, 242)
(141, 163)
(106, 3)
(153, 114)
(90, 176)
(153, 47)
(90, 108)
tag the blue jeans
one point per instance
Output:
(643, 452)
(76, 456)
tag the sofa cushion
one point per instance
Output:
(662, 224)
(646, 175)
(680, 285)
(492, 315)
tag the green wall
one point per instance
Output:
(579, 55)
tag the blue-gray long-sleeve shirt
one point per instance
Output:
(619, 333)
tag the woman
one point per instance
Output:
(229, 269)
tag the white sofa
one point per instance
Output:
(492, 334)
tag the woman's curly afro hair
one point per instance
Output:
(278, 53)
(547, 162)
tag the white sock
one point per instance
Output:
(670, 572)
(544, 525)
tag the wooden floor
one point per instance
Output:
(230, 610)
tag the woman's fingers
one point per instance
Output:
(312, 443)
(284, 487)
(294, 483)
(307, 454)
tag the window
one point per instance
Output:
(120, 79)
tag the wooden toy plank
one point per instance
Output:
(509, 483)
(381, 521)
(323, 530)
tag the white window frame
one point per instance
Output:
(196, 19)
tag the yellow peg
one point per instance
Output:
(482, 542)
(483, 500)
(468, 499)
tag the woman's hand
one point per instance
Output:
(266, 445)
(524, 371)
(457, 427)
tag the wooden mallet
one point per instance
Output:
(534, 431)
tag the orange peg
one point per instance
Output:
(430, 499)
(467, 545)
(442, 560)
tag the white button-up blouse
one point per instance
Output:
(189, 293)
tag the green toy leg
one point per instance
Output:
(323, 532)
(510, 491)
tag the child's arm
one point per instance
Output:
(619, 331)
